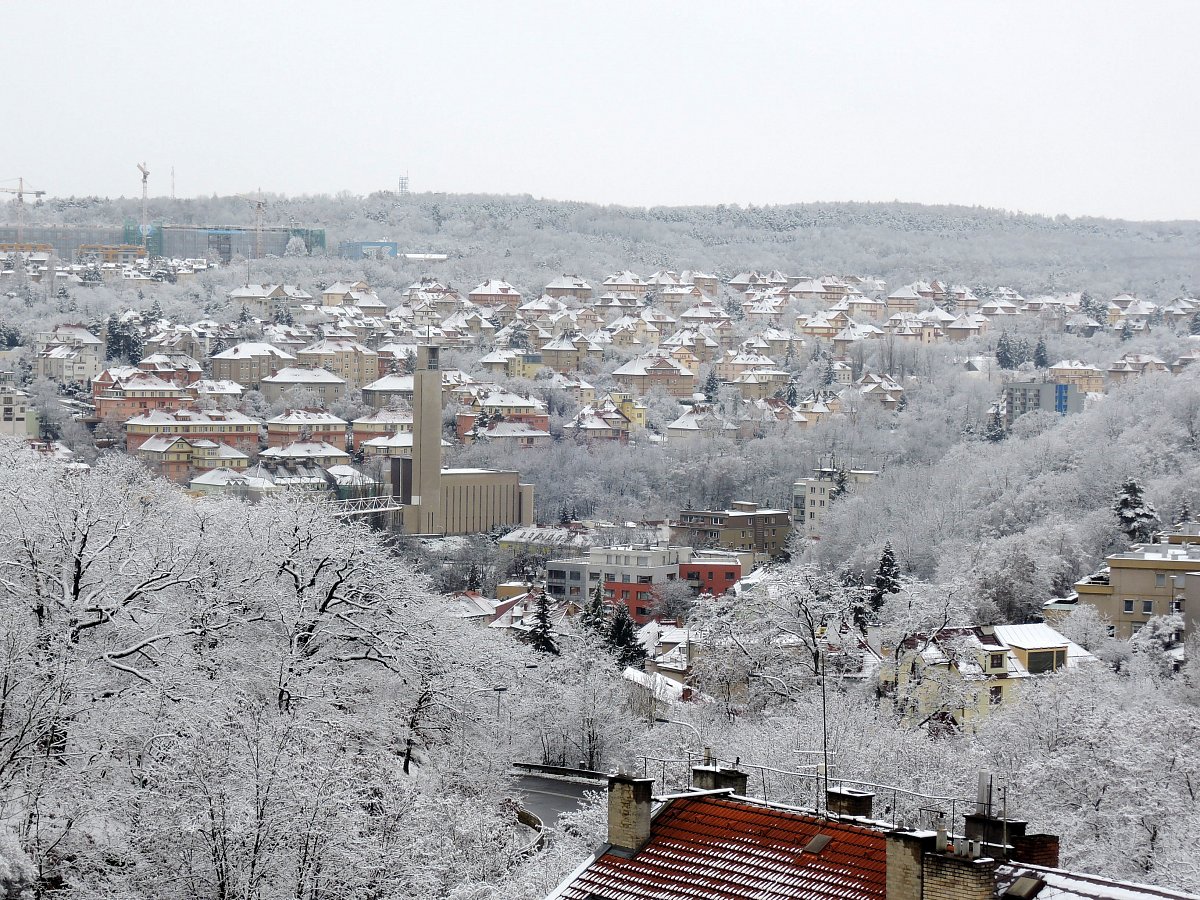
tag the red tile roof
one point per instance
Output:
(713, 848)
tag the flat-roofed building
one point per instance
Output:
(741, 527)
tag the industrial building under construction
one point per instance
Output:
(78, 243)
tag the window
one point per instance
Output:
(812, 515)
(1160, 579)
(645, 579)
(1111, 630)
(729, 576)
(997, 661)
(1046, 660)
(624, 595)
(1147, 607)
(1128, 606)
(1136, 629)
(642, 611)
(575, 576)
(995, 695)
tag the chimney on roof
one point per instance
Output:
(629, 811)
(710, 776)
(846, 802)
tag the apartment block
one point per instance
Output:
(743, 527)
(627, 575)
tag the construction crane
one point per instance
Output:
(20, 190)
(145, 191)
(259, 205)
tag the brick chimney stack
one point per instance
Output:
(629, 811)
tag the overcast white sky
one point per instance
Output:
(1050, 106)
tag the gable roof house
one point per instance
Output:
(713, 842)
(642, 375)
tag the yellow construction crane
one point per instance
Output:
(20, 190)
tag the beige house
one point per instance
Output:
(1146, 581)
(641, 376)
(357, 364)
(326, 386)
(17, 416)
(625, 283)
(494, 293)
(953, 677)
(813, 497)
(264, 300)
(569, 286)
(249, 363)
(68, 353)
(1089, 379)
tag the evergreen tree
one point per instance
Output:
(623, 639)
(518, 338)
(887, 578)
(995, 427)
(542, 634)
(1040, 358)
(474, 578)
(828, 376)
(243, 315)
(155, 312)
(902, 403)
(1194, 327)
(840, 483)
(1005, 358)
(1136, 515)
(1021, 354)
(1126, 331)
(595, 615)
(791, 397)
(712, 385)
(1185, 512)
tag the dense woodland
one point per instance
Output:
(529, 241)
(208, 699)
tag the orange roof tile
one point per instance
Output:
(713, 848)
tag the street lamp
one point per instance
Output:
(696, 732)
(499, 689)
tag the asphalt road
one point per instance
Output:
(547, 797)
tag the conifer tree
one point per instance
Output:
(1126, 331)
(594, 616)
(542, 635)
(887, 578)
(1040, 358)
(711, 386)
(1194, 327)
(1005, 358)
(995, 427)
(1136, 515)
(623, 639)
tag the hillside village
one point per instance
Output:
(311, 389)
(470, 428)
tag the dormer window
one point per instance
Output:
(996, 661)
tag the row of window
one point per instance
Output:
(1148, 606)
